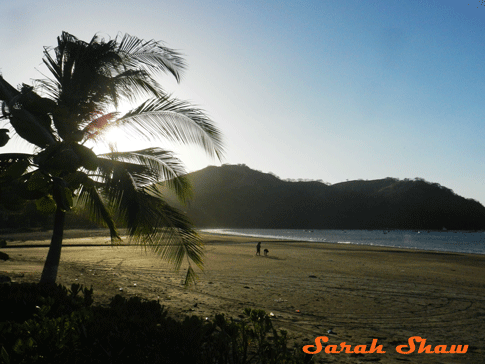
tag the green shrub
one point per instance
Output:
(56, 325)
(21, 301)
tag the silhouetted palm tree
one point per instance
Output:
(89, 81)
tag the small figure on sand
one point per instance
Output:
(266, 251)
(258, 249)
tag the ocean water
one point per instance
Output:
(444, 241)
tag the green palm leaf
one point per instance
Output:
(175, 120)
(136, 83)
(99, 72)
(151, 222)
(179, 240)
(165, 230)
(159, 166)
(152, 55)
(91, 201)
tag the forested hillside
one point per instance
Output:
(237, 196)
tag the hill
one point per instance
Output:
(238, 197)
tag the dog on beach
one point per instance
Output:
(266, 251)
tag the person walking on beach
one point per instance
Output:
(258, 249)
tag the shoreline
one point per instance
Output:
(359, 292)
(72, 235)
(424, 250)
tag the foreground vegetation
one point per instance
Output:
(53, 324)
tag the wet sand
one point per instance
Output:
(359, 292)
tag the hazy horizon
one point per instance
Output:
(330, 90)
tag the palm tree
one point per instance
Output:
(89, 81)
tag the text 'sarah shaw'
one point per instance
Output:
(379, 349)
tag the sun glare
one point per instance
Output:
(116, 139)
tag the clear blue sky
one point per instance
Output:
(332, 90)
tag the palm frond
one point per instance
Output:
(152, 55)
(7, 91)
(92, 76)
(190, 277)
(151, 222)
(82, 74)
(133, 83)
(175, 238)
(161, 167)
(108, 167)
(53, 65)
(48, 87)
(91, 201)
(175, 120)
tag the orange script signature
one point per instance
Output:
(374, 348)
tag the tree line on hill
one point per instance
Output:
(236, 196)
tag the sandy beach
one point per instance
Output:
(361, 293)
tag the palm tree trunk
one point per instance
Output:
(49, 273)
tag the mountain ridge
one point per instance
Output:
(237, 196)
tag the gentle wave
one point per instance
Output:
(444, 241)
